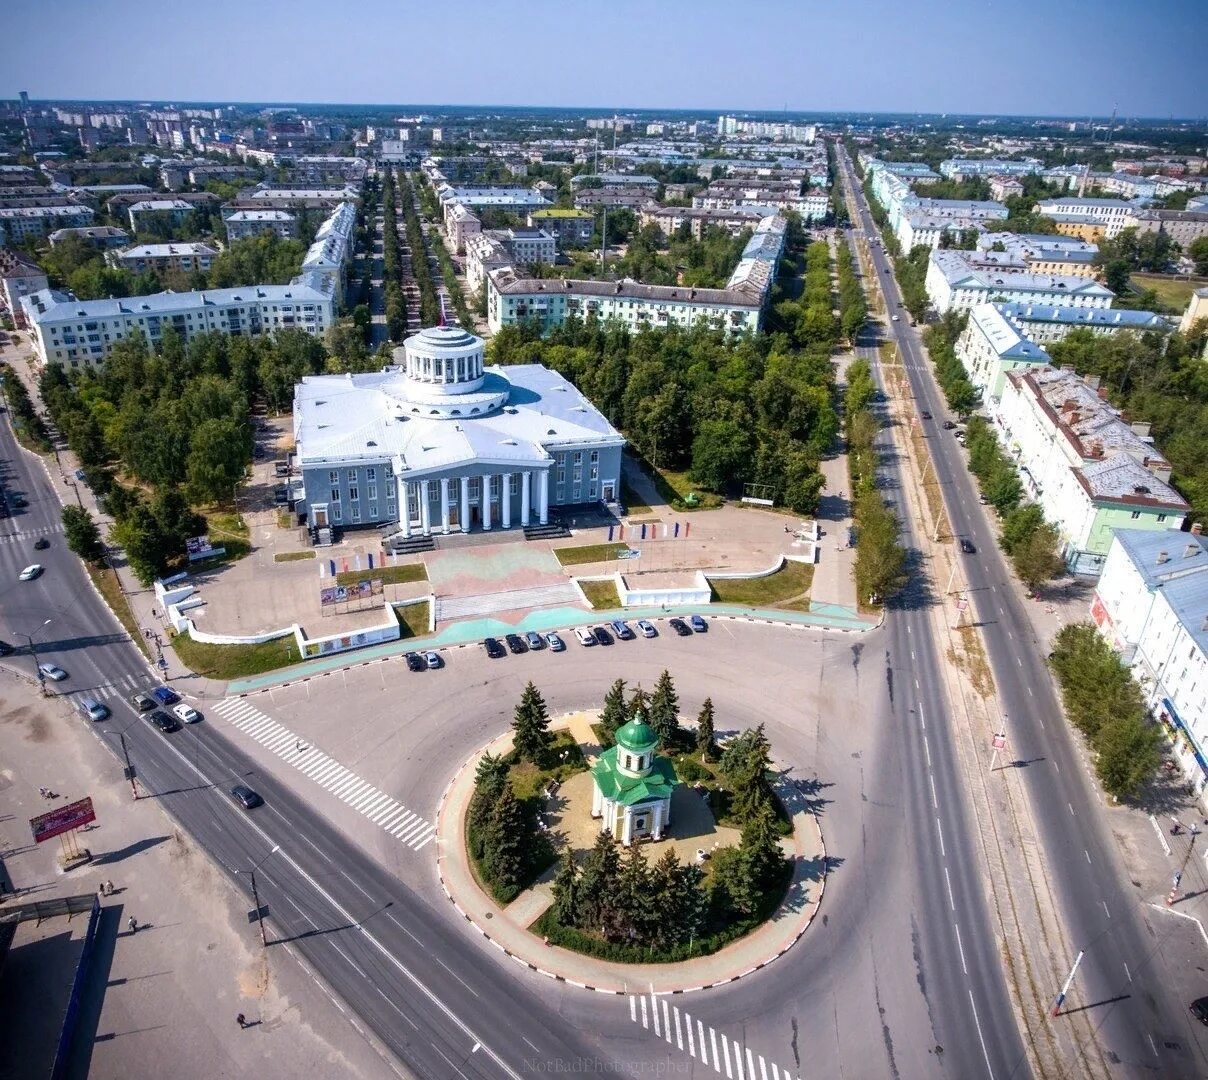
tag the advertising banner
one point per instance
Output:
(62, 819)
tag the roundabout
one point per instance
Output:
(690, 833)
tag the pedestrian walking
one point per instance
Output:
(241, 1020)
(108, 888)
(133, 924)
(101, 889)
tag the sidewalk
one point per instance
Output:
(507, 928)
(161, 1001)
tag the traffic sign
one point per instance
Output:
(999, 741)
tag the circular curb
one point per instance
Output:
(606, 990)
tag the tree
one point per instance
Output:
(639, 704)
(490, 778)
(1019, 524)
(83, 537)
(705, 736)
(760, 845)
(217, 459)
(530, 726)
(614, 714)
(720, 452)
(635, 914)
(1198, 250)
(1130, 750)
(733, 886)
(1037, 559)
(565, 888)
(664, 710)
(504, 843)
(598, 882)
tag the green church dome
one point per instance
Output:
(637, 736)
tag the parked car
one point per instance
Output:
(31, 572)
(433, 660)
(621, 629)
(680, 627)
(141, 702)
(415, 662)
(164, 695)
(535, 641)
(246, 797)
(967, 546)
(1199, 1009)
(602, 636)
(186, 713)
(5, 648)
(164, 722)
(516, 644)
(41, 544)
(81, 476)
(896, 318)
(556, 644)
(584, 635)
(948, 425)
(18, 500)
(646, 629)
(493, 648)
(925, 415)
(698, 624)
(52, 672)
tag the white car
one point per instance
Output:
(186, 713)
(646, 629)
(584, 635)
(555, 643)
(30, 572)
(896, 319)
(52, 672)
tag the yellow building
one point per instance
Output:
(1085, 229)
(1197, 308)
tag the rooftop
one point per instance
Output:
(1160, 557)
(1115, 318)
(1007, 340)
(165, 251)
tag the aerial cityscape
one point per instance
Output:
(531, 546)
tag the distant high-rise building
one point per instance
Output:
(24, 100)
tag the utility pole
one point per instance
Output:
(1065, 987)
(257, 915)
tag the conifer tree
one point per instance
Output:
(664, 711)
(614, 713)
(566, 890)
(598, 883)
(705, 735)
(530, 727)
(504, 842)
(639, 703)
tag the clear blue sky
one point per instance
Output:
(981, 56)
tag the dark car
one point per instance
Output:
(602, 636)
(493, 648)
(141, 702)
(516, 643)
(5, 648)
(41, 544)
(698, 624)
(415, 662)
(948, 425)
(246, 797)
(1199, 1009)
(925, 415)
(967, 546)
(18, 500)
(164, 722)
(165, 696)
(680, 627)
(535, 640)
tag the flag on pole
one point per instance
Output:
(643, 530)
(610, 534)
(344, 563)
(356, 564)
(322, 569)
(370, 557)
(687, 526)
(620, 532)
(677, 528)
(332, 563)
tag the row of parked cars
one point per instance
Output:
(618, 629)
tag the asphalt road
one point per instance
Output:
(1141, 1026)
(393, 960)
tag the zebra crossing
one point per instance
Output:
(112, 690)
(727, 1057)
(30, 534)
(381, 810)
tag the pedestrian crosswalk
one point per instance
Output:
(381, 810)
(22, 535)
(727, 1057)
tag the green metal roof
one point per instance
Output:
(631, 790)
(637, 736)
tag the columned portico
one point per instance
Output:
(524, 498)
(505, 498)
(543, 497)
(425, 509)
(404, 508)
(465, 504)
(444, 504)
(486, 503)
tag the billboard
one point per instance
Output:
(358, 590)
(199, 547)
(62, 819)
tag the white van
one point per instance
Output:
(93, 709)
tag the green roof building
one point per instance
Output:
(633, 785)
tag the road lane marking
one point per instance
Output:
(934, 801)
(1087, 854)
(980, 1037)
(927, 750)
(679, 1034)
(1127, 972)
(951, 901)
(1071, 806)
(1158, 829)
(1104, 903)
(633, 1011)
(960, 948)
(939, 829)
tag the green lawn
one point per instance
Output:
(602, 595)
(413, 619)
(790, 581)
(1175, 293)
(389, 575)
(588, 553)
(293, 556)
(234, 661)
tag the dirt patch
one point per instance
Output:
(971, 659)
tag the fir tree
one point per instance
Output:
(705, 735)
(760, 846)
(639, 704)
(664, 711)
(598, 883)
(614, 714)
(634, 915)
(490, 778)
(504, 842)
(530, 727)
(566, 890)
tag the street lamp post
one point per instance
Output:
(34, 653)
(256, 894)
(130, 773)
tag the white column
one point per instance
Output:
(404, 508)
(486, 504)
(444, 504)
(627, 829)
(524, 497)
(465, 504)
(543, 498)
(425, 513)
(505, 498)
